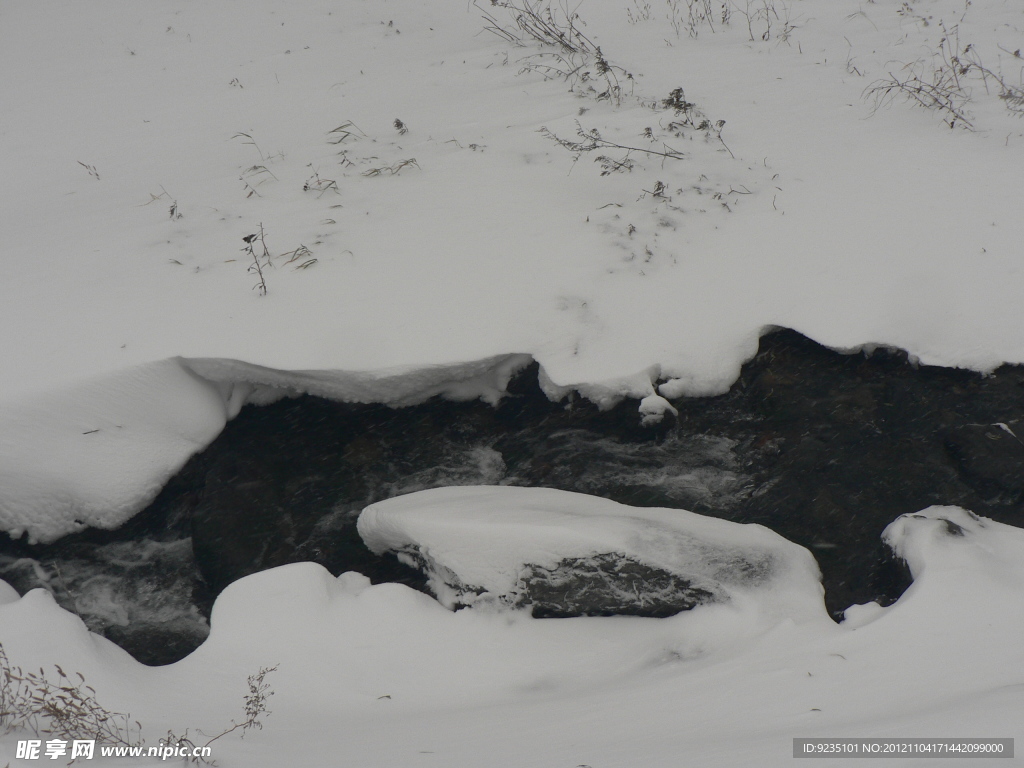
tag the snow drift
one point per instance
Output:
(570, 553)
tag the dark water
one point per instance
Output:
(823, 448)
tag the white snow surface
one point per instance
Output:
(95, 455)
(859, 228)
(487, 536)
(466, 235)
(380, 676)
(131, 335)
(123, 227)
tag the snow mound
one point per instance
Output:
(565, 554)
(407, 676)
(942, 542)
(97, 453)
(246, 383)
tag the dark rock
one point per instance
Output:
(953, 529)
(990, 457)
(609, 584)
(564, 554)
(826, 449)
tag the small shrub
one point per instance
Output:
(247, 139)
(253, 177)
(392, 169)
(698, 13)
(173, 211)
(316, 183)
(692, 118)
(641, 11)
(765, 21)
(257, 266)
(302, 252)
(592, 140)
(255, 703)
(344, 132)
(589, 141)
(65, 708)
(576, 59)
(944, 83)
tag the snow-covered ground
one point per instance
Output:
(383, 676)
(423, 235)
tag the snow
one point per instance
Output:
(96, 454)
(488, 251)
(132, 335)
(396, 679)
(484, 379)
(816, 211)
(477, 544)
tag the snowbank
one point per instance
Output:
(471, 235)
(483, 379)
(97, 453)
(382, 675)
(505, 546)
(468, 233)
(489, 244)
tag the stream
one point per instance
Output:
(825, 449)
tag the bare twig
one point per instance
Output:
(257, 266)
(392, 169)
(344, 132)
(251, 141)
(316, 183)
(91, 169)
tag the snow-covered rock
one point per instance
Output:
(568, 554)
(97, 454)
(94, 454)
(408, 677)
(948, 539)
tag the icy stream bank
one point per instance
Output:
(825, 449)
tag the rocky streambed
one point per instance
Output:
(825, 449)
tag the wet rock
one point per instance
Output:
(608, 584)
(990, 457)
(563, 554)
(824, 448)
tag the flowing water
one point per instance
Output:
(825, 449)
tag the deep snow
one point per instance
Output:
(133, 334)
(383, 675)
